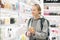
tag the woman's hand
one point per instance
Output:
(31, 30)
(28, 34)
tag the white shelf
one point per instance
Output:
(51, 16)
(31, 2)
(53, 10)
(25, 4)
(7, 11)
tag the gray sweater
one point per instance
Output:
(37, 26)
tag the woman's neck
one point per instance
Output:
(36, 17)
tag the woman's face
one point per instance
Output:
(35, 11)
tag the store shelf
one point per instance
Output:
(51, 16)
(52, 3)
(53, 10)
(8, 11)
(31, 2)
(25, 4)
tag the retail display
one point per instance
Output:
(51, 1)
(52, 13)
(53, 26)
(12, 20)
(7, 21)
(46, 7)
(16, 13)
(56, 14)
(13, 7)
(9, 32)
(17, 6)
(53, 38)
(7, 6)
(23, 37)
(1, 21)
(1, 4)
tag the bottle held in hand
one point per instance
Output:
(31, 29)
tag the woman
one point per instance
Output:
(34, 28)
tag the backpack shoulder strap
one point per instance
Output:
(42, 20)
(29, 21)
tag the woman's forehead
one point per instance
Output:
(34, 7)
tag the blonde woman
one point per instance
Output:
(37, 26)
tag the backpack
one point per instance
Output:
(42, 21)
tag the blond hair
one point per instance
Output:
(38, 7)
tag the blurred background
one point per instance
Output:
(14, 15)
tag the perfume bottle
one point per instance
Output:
(13, 6)
(12, 20)
(1, 5)
(23, 37)
(7, 5)
(53, 38)
(1, 21)
(9, 32)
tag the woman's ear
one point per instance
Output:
(39, 12)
